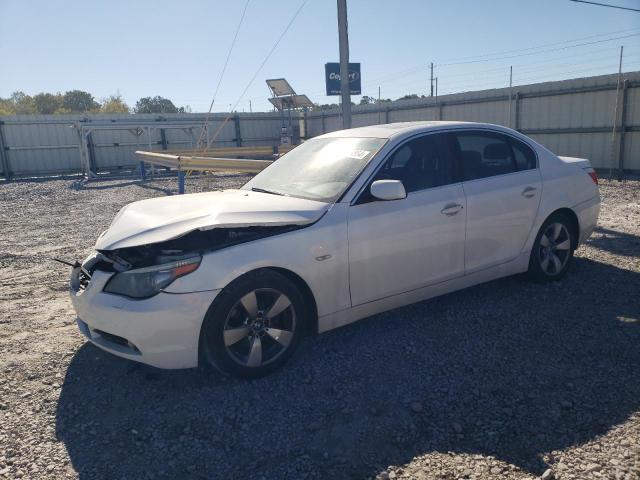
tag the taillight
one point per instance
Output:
(594, 176)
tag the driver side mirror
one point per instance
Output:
(388, 190)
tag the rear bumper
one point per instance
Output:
(162, 331)
(587, 213)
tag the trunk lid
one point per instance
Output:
(578, 162)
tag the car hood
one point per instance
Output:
(165, 218)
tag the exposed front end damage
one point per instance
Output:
(122, 306)
(197, 242)
(124, 293)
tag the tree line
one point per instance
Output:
(78, 101)
(367, 100)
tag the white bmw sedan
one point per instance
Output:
(346, 225)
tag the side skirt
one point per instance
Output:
(344, 317)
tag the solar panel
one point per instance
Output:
(292, 101)
(279, 87)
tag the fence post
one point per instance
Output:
(236, 121)
(180, 181)
(517, 112)
(623, 125)
(84, 152)
(180, 177)
(305, 119)
(163, 139)
(4, 157)
(92, 154)
(324, 130)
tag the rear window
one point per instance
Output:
(484, 154)
(488, 154)
(525, 156)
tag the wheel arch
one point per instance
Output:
(305, 290)
(575, 223)
(298, 281)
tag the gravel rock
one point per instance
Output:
(547, 475)
(543, 378)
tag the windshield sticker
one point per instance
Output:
(358, 154)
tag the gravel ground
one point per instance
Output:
(504, 380)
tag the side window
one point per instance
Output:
(425, 162)
(485, 154)
(525, 157)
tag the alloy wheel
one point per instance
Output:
(554, 250)
(259, 327)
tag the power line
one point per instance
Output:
(420, 69)
(454, 60)
(542, 51)
(526, 79)
(502, 71)
(519, 68)
(598, 63)
(224, 69)
(607, 5)
(275, 45)
(545, 45)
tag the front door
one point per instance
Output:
(401, 245)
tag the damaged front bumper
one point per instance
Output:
(162, 331)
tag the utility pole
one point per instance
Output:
(615, 118)
(343, 37)
(510, 89)
(431, 79)
(250, 110)
(436, 88)
(379, 107)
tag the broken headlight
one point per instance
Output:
(148, 281)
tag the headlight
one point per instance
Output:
(146, 282)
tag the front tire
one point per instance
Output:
(254, 325)
(553, 249)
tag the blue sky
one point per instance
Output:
(177, 48)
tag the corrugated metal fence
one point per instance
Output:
(50, 144)
(571, 117)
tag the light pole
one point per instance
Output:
(343, 38)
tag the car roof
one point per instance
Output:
(403, 129)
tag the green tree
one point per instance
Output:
(6, 107)
(114, 104)
(47, 103)
(77, 101)
(156, 104)
(328, 106)
(22, 103)
(411, 96)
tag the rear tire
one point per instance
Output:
(553, 249)
(253, 326)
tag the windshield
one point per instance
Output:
(319, 169)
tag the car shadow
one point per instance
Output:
(509, 369)
(617, 242)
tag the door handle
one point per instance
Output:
(451, 209)
(529, 192)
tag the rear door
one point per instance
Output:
(401, 245)
(502, 185)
